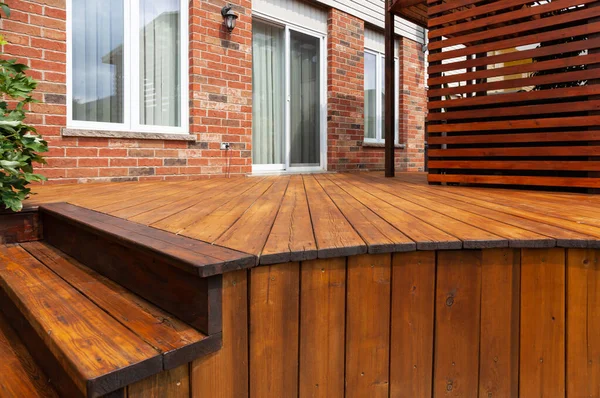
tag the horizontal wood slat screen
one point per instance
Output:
(514, 94)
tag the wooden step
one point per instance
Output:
(90, 335)
(178, 274)
(19, 374)
(23, 226)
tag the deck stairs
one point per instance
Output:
(90, 304)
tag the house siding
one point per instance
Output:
(220, 78)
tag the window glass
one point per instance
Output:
(370, 95)
(97, 60)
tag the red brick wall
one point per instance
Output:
(413, 104)
(220, 103)
(345, 87)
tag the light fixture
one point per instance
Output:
(229, 17)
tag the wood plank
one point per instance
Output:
(250, 232)
(224, 374)
(368, 326)
(499, 341)
(554, 165)
(179, 343)
(425, 235)
(377, 233)
(274, 325)
(583, 324)
(19, 227)
(411, 349)
(20, 376)
(574, 121)
(542, 336)
(322, 328)
(335, 236)
(292, 237)
(98, 353)
(471, 237)
(457, 320)
(575, 182)
(174, 383)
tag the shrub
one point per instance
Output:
(20, 145)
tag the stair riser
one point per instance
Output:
(19, 227)
(194, 300)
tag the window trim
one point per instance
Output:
(380, 60)
(131, 76)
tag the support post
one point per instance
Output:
(390, 102)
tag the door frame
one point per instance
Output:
(288, 27)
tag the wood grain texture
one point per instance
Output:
(20, 376)
(19, 227)
(457, 320)
(174, 383)
(274, 325)
(368, 325)
(412, 320)
(224, 374)
(542, 330)
(583, 324)
(499, 331)
(99, 354)
(322, 327)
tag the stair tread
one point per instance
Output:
(104, 336)
(19, 374)
(191, 255)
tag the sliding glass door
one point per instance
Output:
(288, 99)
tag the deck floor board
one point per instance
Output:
(303, 217)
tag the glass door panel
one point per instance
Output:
(268, 93)
(305, 100)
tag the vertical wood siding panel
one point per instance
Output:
(368, 326)
(458, 299)
(542, 352)
(174, 383)
(274, 318)
(224, 374)
(322, 326)
(583, 323)
(411, 347)
(499, 342)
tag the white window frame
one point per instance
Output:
(379, 133)
(131, 76)
(286, 166)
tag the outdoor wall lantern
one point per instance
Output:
(229, 17)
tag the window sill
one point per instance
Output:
(381, 145)
(68, 132)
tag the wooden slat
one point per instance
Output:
(19, 374)
(412, 319)
(457, 319)
(499, 332)
(334, 235)
(99, 354)
(368, 326)
(292, 237)
(518, 180)
(173, 383)
(274, 325)
(322, 328)
(583, 323)
(179, 343)
(542, 335)
(575, 121)
(224, 374)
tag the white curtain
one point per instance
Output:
(370, 95)
(160, 80)
(97, 70)
(267, 94)
(304, 99)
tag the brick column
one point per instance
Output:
(220, 87)
(413, 104)
(345, 90)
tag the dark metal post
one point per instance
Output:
(390, 85)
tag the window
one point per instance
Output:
(127, 65)
(375, 97)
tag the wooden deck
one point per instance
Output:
(295, 218)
